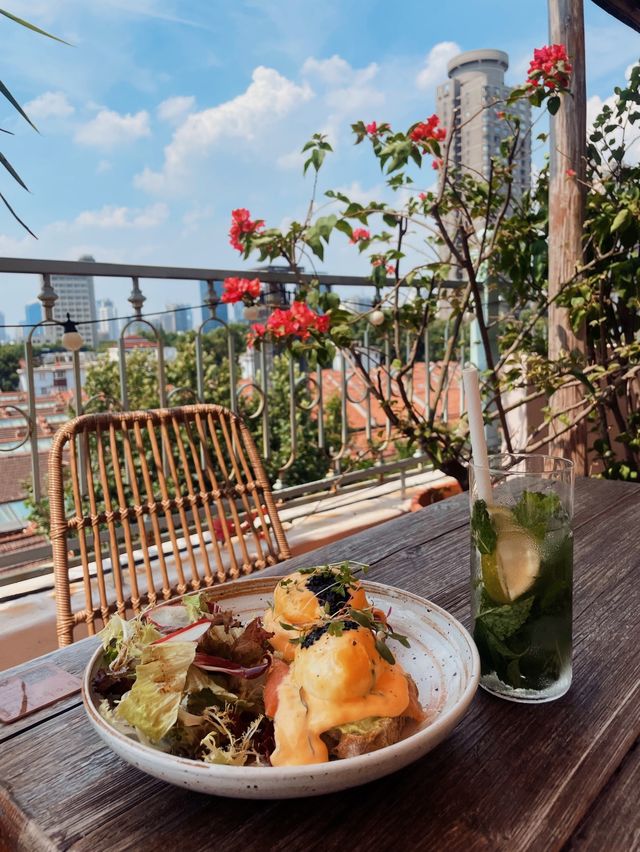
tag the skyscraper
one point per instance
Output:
(3, 331)
(222, 310)
(180, 320)
(476, 79)
(108, 325)
(76, 297)
(32, 316)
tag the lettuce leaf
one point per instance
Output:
(124, 641)
(152, 704)
(192, 604)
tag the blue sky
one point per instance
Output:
(165, 115)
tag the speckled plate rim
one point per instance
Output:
(397, 755)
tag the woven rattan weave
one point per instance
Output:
(154, 504)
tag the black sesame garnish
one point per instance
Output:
(317, 632)
(331, 594)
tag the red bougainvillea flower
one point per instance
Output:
(500, 114)
(437, 163)
(427, 131)
(241, 223)
(297, 321)
(240, 289)
(571, 173)
(372, 129)
(389, 268)
(359, 234)
(550, 68)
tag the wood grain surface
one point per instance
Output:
(510, 777)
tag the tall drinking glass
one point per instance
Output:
(522, 575)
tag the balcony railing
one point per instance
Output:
(361, 422)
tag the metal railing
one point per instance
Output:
(355, 399)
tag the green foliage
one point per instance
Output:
(483, 532)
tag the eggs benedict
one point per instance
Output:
(338, 685)
(307, 597)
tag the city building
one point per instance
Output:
(3, 330)
(32, 316)
(223, 311)
(474, 98)
(76, 297)
(108, 327)
(178, 320)
(54, 373)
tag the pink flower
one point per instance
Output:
(241, 223)
(423, 196)
(427, 131)
(571, 173)
(359, 234)
(372, 129)
(257, 330)
(323, 323)
(240, 290)
(550, 67)
(437, 163)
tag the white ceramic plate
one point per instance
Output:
(442, 660)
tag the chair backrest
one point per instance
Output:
(153, 504)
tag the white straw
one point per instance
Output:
(476, 430)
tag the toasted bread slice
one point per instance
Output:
(372, 733)
(362, 737)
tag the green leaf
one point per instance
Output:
(621, 220)
(535, 511)
(4, 91)
(14, 174)
(553, 104)
(504, 621)
(32, 27)
(483, 532)
(16, 217)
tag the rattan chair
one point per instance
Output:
(152, 504)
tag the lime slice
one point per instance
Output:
(513, 567)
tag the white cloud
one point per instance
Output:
(49, 105)
(111, 216)
(172, 110)
(103, 166)
(435, 64)
(110, 128)
(269, 97)
(334, 71)
(291, 160)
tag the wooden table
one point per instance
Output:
(565, 774)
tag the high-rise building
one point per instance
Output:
(473, 98)
(76, 297)
(179, 319)
(3, 330)
(223, 311)
(32, 316)
(108, 324)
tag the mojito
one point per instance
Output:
(522, 578)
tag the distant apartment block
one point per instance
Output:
(3, 331)
(179, 318)
(473, 97)
(76, 297)
(108, 326)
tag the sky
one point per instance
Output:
(164, 115)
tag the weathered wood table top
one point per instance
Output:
(563, 774)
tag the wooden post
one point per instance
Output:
(566, 215)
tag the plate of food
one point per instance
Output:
(280, 687)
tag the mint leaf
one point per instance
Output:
(534, 511)
(483, 532)
(504, 621)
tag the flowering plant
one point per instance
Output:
(481, 235)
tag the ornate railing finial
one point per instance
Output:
(47, 296)
(137, 298)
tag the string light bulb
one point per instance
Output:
(376, 317)
(71, 337)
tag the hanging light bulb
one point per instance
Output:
(71, 337)
(376, 317)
